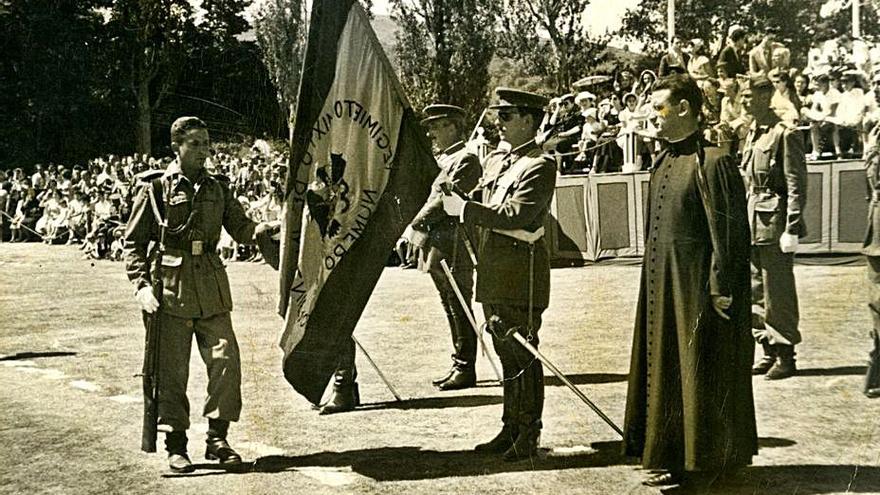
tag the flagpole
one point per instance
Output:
(670, 22)
(856, 19)
(376, 367)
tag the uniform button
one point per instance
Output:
(189, 323)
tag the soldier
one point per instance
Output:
(196, 298)
(774, 163)
(871, 248)
(440, 237)
(511, 204)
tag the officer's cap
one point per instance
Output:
(436, 112)
(749, 84)
(514, 98)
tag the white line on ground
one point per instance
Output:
(85, 385)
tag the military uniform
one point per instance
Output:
(774, 164)
(513, 273)
(196, 298)
(442, 238)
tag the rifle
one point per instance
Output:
(872, 377)
(150, 373)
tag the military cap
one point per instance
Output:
(437, 112)
(514, 98)
(775, 75)
(748, 84)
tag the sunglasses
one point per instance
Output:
(507, 116)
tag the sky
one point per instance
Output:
(602, 14)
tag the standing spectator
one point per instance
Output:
(823, 106)
(775, 170)
(731, 55)
(674, 60)
(761, 56)
(689, 406)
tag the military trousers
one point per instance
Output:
(874, 289)
(464, 339)
(523, 373)
(346, 371)
(220, 353)
(775, 315)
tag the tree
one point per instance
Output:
(444, 48)
(799, 21)
(551, 39)
(281, 29)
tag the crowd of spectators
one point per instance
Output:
(89, 204)
(603, 124)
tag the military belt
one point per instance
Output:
(195, 248)
(522, 235)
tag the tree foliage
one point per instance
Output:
(280, 27)
(444, 48)
(551, 39)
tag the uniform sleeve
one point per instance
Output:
(464, 175)
(141, 228)
(522, 206)
(795, 171)
(235, 220)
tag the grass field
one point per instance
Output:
(71, 345)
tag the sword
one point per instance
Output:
(465, 306)
(535, 352)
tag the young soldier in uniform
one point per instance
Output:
(440, 237)
(196, 299)
(776, 174)
(510, 205)
(871, 248)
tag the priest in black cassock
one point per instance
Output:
(689, 412)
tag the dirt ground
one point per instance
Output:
(71, 344)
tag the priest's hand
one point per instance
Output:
(788, 243)
(722, 304)
(453, 205)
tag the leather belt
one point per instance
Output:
(193, 247)
(522, 235)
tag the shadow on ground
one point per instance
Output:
(585, 379)
(838, 371)
(807, 479)
(413, 463)
(18, 356)
(434, 402)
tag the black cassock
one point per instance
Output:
(689, 404)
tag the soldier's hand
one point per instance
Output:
(147, 300)
(722, 304)
(453, 205)
(788, 243)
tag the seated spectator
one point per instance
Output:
(27, 212)
(849, 115)
(733, 123)
(823, 105)
(785, 101)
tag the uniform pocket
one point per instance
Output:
(222, 282)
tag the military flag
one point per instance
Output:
(360, 168)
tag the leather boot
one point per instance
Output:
(175, 445)
(463, 376)
(502, 441)
(216, 446)
(526, 444)
(784, 366)
(447, 376)
(345, 398)
(765, 363)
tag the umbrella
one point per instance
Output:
(591, 81)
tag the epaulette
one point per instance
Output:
(148, 176)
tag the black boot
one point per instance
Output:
(447, 376)
(766, 362)
(463, 376)
(526, 444)
(346, 395)
(216, 446)
(502, 441)
(784, 366)
(175, 445)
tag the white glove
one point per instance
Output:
(722, 304)
(453, 205)
(146, 299)
(788, 243)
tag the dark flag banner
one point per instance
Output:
(360, 169)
